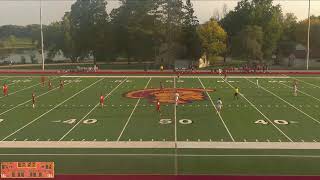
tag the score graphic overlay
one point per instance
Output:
(27, 170)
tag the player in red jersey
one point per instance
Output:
(61, 84)
(101, 100)
(33, 100)
(158, 106)
(5, 89)
(49, 85)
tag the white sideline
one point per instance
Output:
(159, 144)
(55, 107)
(181, 77)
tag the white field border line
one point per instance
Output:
(26, 88)
(181, 77)
(301, 92)
(255, 107)
(314, 119)
(175, 113)
(51, 109)
(124, 80)
(175, 133)
(158, 145)
(217, 111)
(30, 100)
(180, 155)
(133, 110)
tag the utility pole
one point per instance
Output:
(308, 48)
(42, 51)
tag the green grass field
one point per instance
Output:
(267, 131)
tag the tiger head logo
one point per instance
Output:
(166, 95)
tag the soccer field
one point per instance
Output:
(266, 131)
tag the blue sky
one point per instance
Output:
(22, 12)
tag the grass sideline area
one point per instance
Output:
(267, 131)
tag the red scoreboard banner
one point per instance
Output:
(27, 170)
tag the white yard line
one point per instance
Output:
(305, 82)
(254, 106)
(301, 92)
(175, 134)
(31, 99)
(25, 88)
(124, 80)
(314, 119)
(175, 114)
(51, 109)
(125, 126)
(217, 110)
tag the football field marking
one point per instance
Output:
(51, 109)
(30, 100)
(314, 119)
(254, 106)
(224, 124)
(25, 88)
(84, 117)
(133, 110)
(301, 92)
(304, 82)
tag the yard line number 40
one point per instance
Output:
(279, 122)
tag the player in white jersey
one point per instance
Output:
(176, 98)
(295, 88)
(257, 81)
(219, 105)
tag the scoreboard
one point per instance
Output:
(27, 170)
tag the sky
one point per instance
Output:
(23, 12)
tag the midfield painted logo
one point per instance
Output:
(166, 95)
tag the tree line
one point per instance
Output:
(169, 29)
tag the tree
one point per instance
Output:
(88, 20)
(248, 43)
(256, 13)
(287, 41)
(301, 32)
(190, 38)
(213, 38)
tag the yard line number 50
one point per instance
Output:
(181, 121)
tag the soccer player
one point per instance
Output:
(219, 105)
(176, 97)
(49, 84)
(61, 84)
(33, 100)
(5, 89)
(158, 106)
(102, 100)
(43, 79)
(295, 88)
(161, 85)
(220, 71)
(236, 93)
(225, 76)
